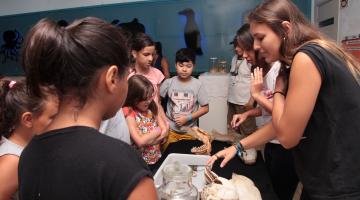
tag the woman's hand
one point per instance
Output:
(227, 154)
(257, 82)
(238, 119)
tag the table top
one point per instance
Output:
(256, 172)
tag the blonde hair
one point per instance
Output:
(274, 12)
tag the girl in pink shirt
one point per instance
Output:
(143, 51)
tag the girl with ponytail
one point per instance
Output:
(21, 116)
(87, 64)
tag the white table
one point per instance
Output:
(216, 85)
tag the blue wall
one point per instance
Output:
(217, 19)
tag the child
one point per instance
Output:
(239, 91)
(143, 51)
(143, 120)
(87, 63)
(21, 116)
(188, 99)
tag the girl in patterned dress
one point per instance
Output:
(145, 125)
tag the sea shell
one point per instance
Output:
(238, 187)
(245, 187)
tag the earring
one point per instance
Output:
(283, 46)
(76, 114)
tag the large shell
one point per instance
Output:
(238, 187)
(219, 192)
(245, 187)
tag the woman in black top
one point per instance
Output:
(322, 101)
(87, 63)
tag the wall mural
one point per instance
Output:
(12, 40)
(207, 26)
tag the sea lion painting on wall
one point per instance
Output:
(191, 31)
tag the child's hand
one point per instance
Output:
(256, 82)
(238, 119)
(181, 120)
(156, 132)
(163, 136)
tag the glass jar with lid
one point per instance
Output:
(213, 64)
(177, 183)
(222, 66)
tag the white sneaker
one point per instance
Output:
(249, 156)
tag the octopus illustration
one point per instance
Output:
(12, 43)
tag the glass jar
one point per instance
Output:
(213, 64)
(177, 183)
(222, 66)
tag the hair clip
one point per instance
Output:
(11, 84)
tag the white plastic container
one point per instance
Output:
(197, 162)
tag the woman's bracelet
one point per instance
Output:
(239, 149)
(279, 92)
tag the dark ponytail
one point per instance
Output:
(69, 58)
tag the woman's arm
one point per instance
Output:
(144, 190)
(139, 138)
(8, 176)
(291, 115)
(259, 137)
